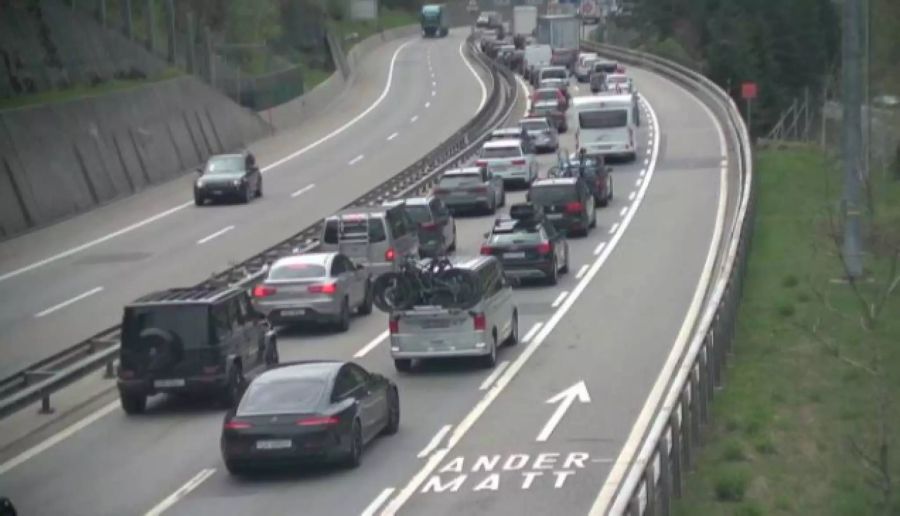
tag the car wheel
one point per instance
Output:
(354, 455)
(553, 278)
(272, 358)
(393, 423)
(490, 360)
(513, 338)
(503, 198)
(235, 387)
(133, 403)
(259, 189)
(404, 365)
(247, 195)
(366, 307)
(609, 194)
(234, 469)
(198, 201)
(452, 247)
(565, 267)
(343, 322)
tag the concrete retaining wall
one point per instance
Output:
(61, 159)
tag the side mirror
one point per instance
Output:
(608, 169)
(199, 171)
(486, 235)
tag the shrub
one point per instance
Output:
(730, 485)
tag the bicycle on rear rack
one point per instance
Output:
(430, 282)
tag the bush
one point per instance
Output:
(730, 485)
(733, 451)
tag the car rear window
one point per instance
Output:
(606, 119)
(354, 230)
(517, 236)
(501, 152)
(460, 180)
(535, 125)
(288, 396)
(418, 213)
(289, 271)
(553, 194)
(553, 74)
(547, 95)
(187, 325)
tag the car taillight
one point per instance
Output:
(574, 207)
(478, 189)
(394, 326)
(487, 250)
(263, 291)
(544, 248)
(390, 254)
(318, 421)
(237, 425)
(481, 163)
(479, 321)
(210, 369)
(518, 162)
(126, 373)
(430, 226)
(323, 288)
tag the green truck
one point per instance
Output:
(434, 21)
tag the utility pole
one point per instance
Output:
(851, 136)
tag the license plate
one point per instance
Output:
(290, 313)
(273, 444)
(499, 167)
(173, 382)
(217, 192)
(514, 255)
(554, 215)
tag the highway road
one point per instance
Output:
(472, 441)
(64, 283)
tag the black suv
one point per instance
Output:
(568, 203)
(527, 245)
(593, 170)
(228, 176)
(191, 340)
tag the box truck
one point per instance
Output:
(524, 20)
(563, 33)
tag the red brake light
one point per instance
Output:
(481, 163)
(544, 248)
(210, 369)
(390, 254)
(323, 288)
(428, 225)
(263, 291)
(518, 162)
(237, 425)
(479, 321)
(486, 250)
(126, 373)
(318, 421)
(574, 207)
(393, 326)
(478, 189)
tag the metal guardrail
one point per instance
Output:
(654, 475)
(40, 380)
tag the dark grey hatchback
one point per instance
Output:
(568, 203)
(435, 223)
(228, 176)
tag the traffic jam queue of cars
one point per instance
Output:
(222, 339)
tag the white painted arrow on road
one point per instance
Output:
(565, 399)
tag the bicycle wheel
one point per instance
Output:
(457, 288)
(393, 291)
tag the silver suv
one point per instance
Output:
(436, 332)
(373, 236)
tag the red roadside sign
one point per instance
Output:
(748, 90)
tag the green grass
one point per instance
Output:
(81, 91)
(781, 431)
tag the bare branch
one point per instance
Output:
(833, 348)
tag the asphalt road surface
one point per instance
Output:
(472, 441)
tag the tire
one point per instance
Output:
(354, 455)
(565, 267)
(593, 222)
(259, 189)
(133, 404)
(234, 469)
(247, 195)
(452, 247)
(343, 322)
(513, 338)
(490, 360)
(403, 365)
(366, 307)
(605, 201)
(553, 278)
(393, 424)
(272, 358)
(235, 387)
(392, 291)
(198, 201)
(503, 198)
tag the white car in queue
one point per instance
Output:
(605, 125)
(511, 160)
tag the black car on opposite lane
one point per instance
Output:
(568, 203)
(228, 176)
(527, 245)
(309, 412)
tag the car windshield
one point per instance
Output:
(553, 194)
(553, 74)
(225, 165)
(419, 213)
(606, 119)
(617, 80)
(354, 229)
(187, 325)
(543, 110)
(547, 95)
(500, 152)
(290, 271)
(288, 396)
(606, 67)
(460, 180)
(535, 125)
(519, 235)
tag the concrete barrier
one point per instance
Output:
(61, 159)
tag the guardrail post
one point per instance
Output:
(695, 410)
(45, 404)
(634, 506)
(109, 372)
(676, 452)
(687, 439)
(650, 488)
(665, 476)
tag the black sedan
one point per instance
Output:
(527, 245)
(228, 176)
(304, 412)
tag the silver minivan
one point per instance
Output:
(373, 236)
(426, 332)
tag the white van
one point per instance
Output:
(536, 57)
(605, 125)
(583, 67)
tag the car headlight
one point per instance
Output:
(199, 183)
(236, 182)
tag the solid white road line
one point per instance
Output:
(581, 271)
(175, 209)
(524, 87)
(477, 77)
(481, 407)
(355, 160)
(624, 209)
(182, 491)
(493, 376)
(371, 345)
(214, 235)
(378, 502)
(57, 438)
(392, 136)
(413, 119)
(559, 299)
(435, 441)
(303, 190)
(532, 332)
(632, 195)
(68, 302)
(613, 229)
(599, 248)
(631, 446)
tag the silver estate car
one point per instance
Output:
(471, 188)
(426, 332)
(543, 133)
(315, 287)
